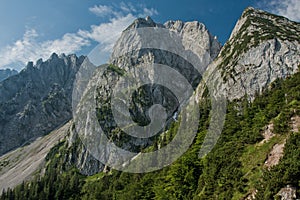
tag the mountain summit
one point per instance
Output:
(130, 57)
(262, 48)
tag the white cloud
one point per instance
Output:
(286, 8)
(122, 10)
(102, 10)
(69, 43)
(122, 16)
(150, 12)
(28, 48)
(129, 8)
(108, 33)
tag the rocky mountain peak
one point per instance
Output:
(180, 26)
(175, 25)
(256, 26)
(29, 65)
(39, 62)
(261, 48)
(142, 23)
(132, 55)
(54, 56)
(196, 32)
(149, 19)
(195, 37)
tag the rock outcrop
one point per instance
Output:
(287, 193)
(275, 155)
(262, 48)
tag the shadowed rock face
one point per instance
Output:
(37, 100)
(5, 73)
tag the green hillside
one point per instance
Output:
(232, 170)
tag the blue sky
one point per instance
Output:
(34, 29)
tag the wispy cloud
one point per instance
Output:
(108, 33)
(150, 12)
(122, 10)
(286, 8)
(29, 48)
(129, 8)
(102, 10)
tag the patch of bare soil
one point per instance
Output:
(295, 123)
(287, 193)
(275, 155)
(251, 195)
(268, 133)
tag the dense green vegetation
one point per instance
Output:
(116, 69)
(231, 170)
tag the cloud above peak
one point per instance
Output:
(107, 33)
(29, 48)
(123, 9)
(286, 8)
(101, 10)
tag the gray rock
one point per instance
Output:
(37, 100)
(129, 57)
(262, 48)
(287, 193)
(5, 73)
(253, 58)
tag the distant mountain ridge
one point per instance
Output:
(5, 73)
(36, 100)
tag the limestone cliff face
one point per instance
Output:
(130, 56)
(194, 37)
(36, 100)
(261, 48)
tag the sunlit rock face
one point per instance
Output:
(130, 57)
(262, 48)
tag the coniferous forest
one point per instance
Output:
(229, 171)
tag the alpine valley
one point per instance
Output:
(256, 157)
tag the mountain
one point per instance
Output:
(5, 73)
(257, 154)
(129, 56)
(262, 48)
(37, 100)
